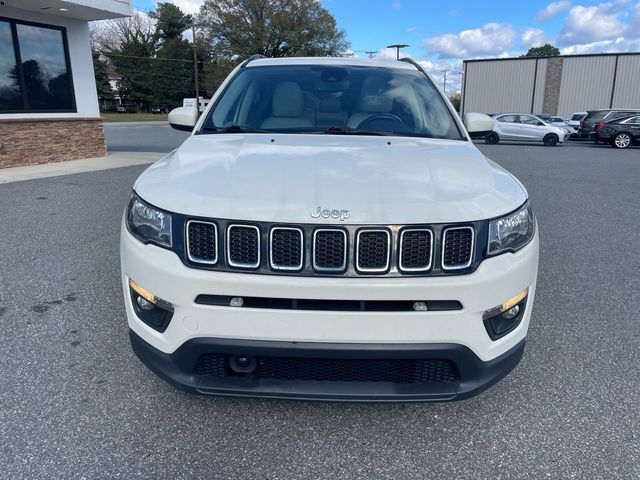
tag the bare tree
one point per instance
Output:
(112, 34)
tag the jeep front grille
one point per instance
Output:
(243, 246)
(349, 250)
(416, 250)
(373, 250)
(286, 247)
(457, 252)
(202, 242)
(329, 250)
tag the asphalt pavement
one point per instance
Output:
(76, 403)
(142, 136)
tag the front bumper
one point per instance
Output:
(180, 369)
(458, 336)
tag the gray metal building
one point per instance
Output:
(554, 85)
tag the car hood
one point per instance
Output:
(287, 177)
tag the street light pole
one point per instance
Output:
(398, 46)
(444, 83)
(195, 70)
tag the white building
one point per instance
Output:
(48, 101)
(554, 85)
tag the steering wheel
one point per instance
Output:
(381, 117)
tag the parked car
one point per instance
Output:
(561, 123)
(525, 127)
(329, 231)
(127, 108)
(544, 116)
(575, 119)
(594, 117)
(620, 133)
(163, 108)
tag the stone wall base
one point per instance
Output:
(37, 141)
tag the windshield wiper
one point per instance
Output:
(231, 129)
(354, 131)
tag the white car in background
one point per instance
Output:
(575, 119)
(562, 123)
(527, 128)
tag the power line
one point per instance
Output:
(147, 58)
(371, 53)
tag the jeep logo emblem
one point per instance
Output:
(341, 215)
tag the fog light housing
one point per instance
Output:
(504, 318)
(152, 310)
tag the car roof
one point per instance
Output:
(337, 61)
(517, 113)
(614, 110)
(626, 117)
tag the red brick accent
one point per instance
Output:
(36, 141)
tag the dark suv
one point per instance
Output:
(594, 117)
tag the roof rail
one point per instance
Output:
(414, 63)
(251, 59)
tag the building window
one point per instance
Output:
(35, 75)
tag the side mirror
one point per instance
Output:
(478, 123)
(183, 118)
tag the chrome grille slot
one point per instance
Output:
(202, 242)
(416, 250)
(457, 249)
(286, 248)
(329, 250)
(243, 246)
(373, 250)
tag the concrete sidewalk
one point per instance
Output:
(145, 123)
(114, 160)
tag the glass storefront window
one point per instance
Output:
(41, 81)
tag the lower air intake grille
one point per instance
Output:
(457, 251)
(286, 248)
(243, 246)
(202, 242)
(415, 250)
(329, 250)
(405, 371)
(373, 250)
(212, 364)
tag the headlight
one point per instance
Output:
(148, 224)
(511, 233)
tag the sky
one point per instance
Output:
(442, 34)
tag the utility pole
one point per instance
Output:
(398, 46)
(444, 83)
(371, 53)
(195, 70)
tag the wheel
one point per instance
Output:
(492, 138)
(551, 140)
(621, 140)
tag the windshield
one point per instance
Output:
(333, 100)
(578, 116)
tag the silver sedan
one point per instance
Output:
(526, 128)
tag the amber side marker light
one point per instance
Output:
(506, 306)
(149, 297)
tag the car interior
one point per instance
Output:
(315, 99)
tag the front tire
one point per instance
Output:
(492, 138)
(551, 140)
(621, 140)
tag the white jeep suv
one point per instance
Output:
(329, 231)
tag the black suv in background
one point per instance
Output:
(620, 133)
(594, 117)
